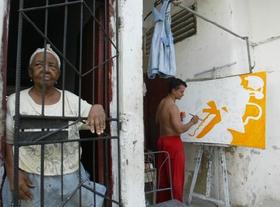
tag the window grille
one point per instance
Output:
(183, 25)
(79, 32)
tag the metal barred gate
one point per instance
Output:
(80, 32)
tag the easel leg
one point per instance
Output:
(197, 166)
(209, 172)
(225, 176)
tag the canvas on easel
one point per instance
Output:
(232, 110)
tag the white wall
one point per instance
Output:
(212, 46)
(131, 103)
(253, 173)
(3, 12)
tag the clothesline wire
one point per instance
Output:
(210, 21)
(245, 38)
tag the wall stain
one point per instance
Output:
(240, 155)
(230, 150)
(253, 151)
(275, 147)
(253, 202)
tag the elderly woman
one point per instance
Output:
(44, 71)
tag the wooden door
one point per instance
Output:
(156, 89)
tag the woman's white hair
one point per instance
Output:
(48, 49)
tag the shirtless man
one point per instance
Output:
(168, 119)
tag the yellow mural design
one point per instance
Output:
(216, 119)
(254, 116)
(252, 134)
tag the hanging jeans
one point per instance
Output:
(52, 191)
(162, 61)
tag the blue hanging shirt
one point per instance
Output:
(162, 53)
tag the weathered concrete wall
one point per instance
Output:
(260, 168)
(253, 173)
(2, 10)
(3, 56)
(3, 44)
(131, 103)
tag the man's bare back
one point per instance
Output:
(167, 111)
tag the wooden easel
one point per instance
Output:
(219, 151)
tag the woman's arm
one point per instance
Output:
(96, 119)
(24, 183)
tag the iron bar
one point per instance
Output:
(97, 66)
(93, 163)
(80, 55)
(59, 118)
(96, 192)
(249, 55)
(84, 139)
(93, 92)
(203, 79)
(267, 40)
(65, 26)
(17, 108)
(64, 55)
(50, 6)
(93, 51)
(117, 25)
(105, 92)
(106, 55)
(42, 175)
(43, 106)
(51, 43)
(101, 26)
(210, 21)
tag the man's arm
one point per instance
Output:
(178, 125)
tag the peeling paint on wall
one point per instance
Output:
(4, 18)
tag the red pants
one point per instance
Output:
(174, 146)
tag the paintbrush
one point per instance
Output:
(195, 115)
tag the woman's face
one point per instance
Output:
(44, 75)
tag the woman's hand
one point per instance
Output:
(96, 119)
(24, 185)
